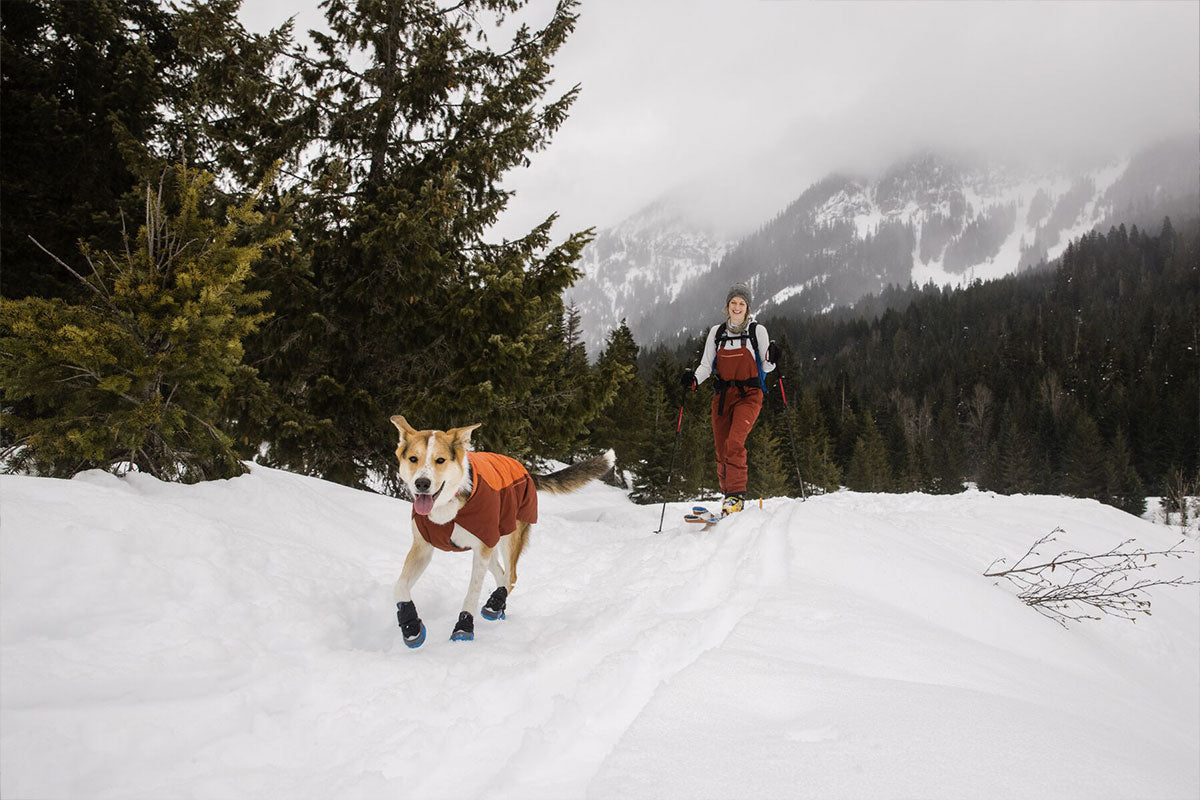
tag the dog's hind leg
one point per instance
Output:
(514, 545)
(494, 607)
(411, 627)
(497, 570)
(464, 630)
(511, 547)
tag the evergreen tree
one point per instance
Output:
(768, 468)
(911, 432)
(660, 475)
(947, 450)
(1015, 471)
(977, 426)
(1084, 466)
(571, 393)
(869, 469)
(99, 97)
(136, 375)
(79, 81)
(624, 425)
(1125, 488)
(814, 447)
(414, 118)
(847, 425)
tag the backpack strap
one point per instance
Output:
(719, 386)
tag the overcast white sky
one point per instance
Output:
(741, 104)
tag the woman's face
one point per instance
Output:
(737, 309)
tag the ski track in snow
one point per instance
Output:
(261, 653)
(238, 639)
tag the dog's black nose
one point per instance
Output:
(422, 485)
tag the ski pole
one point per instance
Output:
(792, 438)
(671, 470)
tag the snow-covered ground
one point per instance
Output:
(237, 639)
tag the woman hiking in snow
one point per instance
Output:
(738, 353)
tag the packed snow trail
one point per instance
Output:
(238, 638)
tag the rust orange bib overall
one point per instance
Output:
(734, 411)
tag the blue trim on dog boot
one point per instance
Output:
(417, 642)
(411, 627)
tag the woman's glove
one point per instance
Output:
(687, 379)
(773, 352)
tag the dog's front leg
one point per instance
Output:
(411, 627)
(464, 631)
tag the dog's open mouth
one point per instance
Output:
(423, 503)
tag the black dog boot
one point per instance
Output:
(411, 627)
(494, 607)
(464, 631)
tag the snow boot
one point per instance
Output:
(464, 630)
(494, 607)
(411, 626)
(733, 503)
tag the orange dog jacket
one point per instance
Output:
(501, 494)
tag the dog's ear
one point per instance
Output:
(402, 425)
(463, 435)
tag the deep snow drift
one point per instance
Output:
(238, 639)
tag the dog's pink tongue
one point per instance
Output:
(423, 504)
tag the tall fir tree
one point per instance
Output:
(1013, 470)
(1084, 465)
(659, 475)
(624, 424)
(946, 448)
(1126, 490)
(869, 469)
(415, 117)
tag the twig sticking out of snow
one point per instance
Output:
(1108, 582)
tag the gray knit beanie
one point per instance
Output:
(738, 290)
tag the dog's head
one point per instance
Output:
(433, 464)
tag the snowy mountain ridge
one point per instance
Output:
(238, 639)
(653, 255)
(929, 218)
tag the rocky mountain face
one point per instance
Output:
(644, 263)
(928, 218)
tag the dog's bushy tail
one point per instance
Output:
(576, 476)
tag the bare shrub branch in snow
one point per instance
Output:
(1074, 585)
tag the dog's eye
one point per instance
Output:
(441, 461)
(413, 459)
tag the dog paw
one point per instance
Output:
(464, 630)
(493, 609)
(411, 626)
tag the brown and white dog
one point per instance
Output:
(467, 500)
